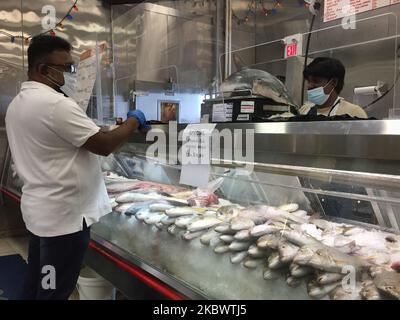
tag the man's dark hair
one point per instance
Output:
(328, 68)
(43, 45)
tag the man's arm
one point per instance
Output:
(105, 143)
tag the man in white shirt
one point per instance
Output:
(55, 148)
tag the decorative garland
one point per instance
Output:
(259, 5)
(59, 25)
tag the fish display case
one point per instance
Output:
(303, 209)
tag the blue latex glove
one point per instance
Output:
(141, 119)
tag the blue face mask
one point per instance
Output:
(318, 95)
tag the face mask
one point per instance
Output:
(318, 95)
(70, 83)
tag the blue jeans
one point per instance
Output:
(54, 265)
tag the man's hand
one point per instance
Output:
(141, 119)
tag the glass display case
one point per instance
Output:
(334, 185)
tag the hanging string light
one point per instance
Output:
(254, 6)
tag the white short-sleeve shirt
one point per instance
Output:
(63, 183)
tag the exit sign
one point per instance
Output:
(291, 50)
(293, 45)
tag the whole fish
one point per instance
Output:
(239, 246)
(318, 292)
(137, 197)
(305, 253)
(252, 263)
(329, 277)
(243, 235)
(167, 221)
(227, 238)
(259, 82)
(238, 257)
(182, 211)
(333, 260)
(271, 274)
(160, 206)
(256, 252)
(185, 221)
(221, 248)
(263, 229)
(290, 207)
(300, 213)
(269, 241)
(206, 238)
(298, 271)
(388, 283)
(230, 211)
(192, 235)
(224, 229)
(241, 223)
(298, 238)
(154, 217)
(287, 251)
(203, 224)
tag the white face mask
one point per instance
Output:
(70, 85)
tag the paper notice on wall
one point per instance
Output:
(196, 154)
(337, 9)
(86, 77)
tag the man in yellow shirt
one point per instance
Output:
(325, 81)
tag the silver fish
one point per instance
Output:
(290, 207)
(192, 235)
(305, 253)
(239, 246)
(154, 217)
(203, 224)
(181, 211)
(241, 223)
(221, 248)
(287, 251)
(227, 238)
(228, 211)
(388, 283)
(256, 252)
(159, 206)
(137, 197)
(300, 271)
(206, 238)
(167, 221)
(333, 260)
(252, 263)
(298, 238)
(243, 235)
(341, 294)
(238, 257)
(269, 241)
(329, 277)
(318, 292)
(259, 82)
(224, 229)
(300, 213)
(123, 207)
(185, 221)
(262, 230)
